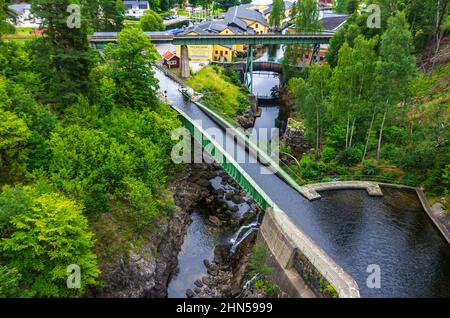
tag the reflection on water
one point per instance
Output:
(393, 232)
(266, 122)
(272, 53)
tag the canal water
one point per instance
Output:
(392, 232)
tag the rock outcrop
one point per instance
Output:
(145, 272)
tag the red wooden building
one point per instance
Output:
(171, 60)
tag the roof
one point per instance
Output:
(214, 26)
(332, 22)
(20, 7)
(287, 5)
(168, 55)
(237, 13)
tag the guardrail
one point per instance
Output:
(335, 275)
(357, 177)
(246, 141)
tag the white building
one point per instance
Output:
(136, 9)
(24, 15)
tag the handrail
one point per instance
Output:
(343, 283)
(273, 165)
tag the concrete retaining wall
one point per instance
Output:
(284, 239)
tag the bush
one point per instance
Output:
(422, 156)
(370, 168)
(232, 76)
(328, 154)
(410, 179)
(9, 284)
(392, 153)
(349, 156)
(258, 262)
(48, 234)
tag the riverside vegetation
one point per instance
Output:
(380, 106)
(84, 153)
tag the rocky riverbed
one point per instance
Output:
(227, 212)
(147, 271)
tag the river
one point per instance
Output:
(357, 231)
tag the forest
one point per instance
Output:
(84, 152)
(380, 105)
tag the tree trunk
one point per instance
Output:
(346, 133)
(368, 136)
(351, 133)
(381, 136)
(317, 134)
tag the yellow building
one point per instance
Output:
(237, 20)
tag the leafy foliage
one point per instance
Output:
(221, 93)
(131, 62)
(48, 234)
(151, 21)
(258, 262)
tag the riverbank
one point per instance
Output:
(144, 270)
(225, 95)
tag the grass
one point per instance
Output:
(220, 95)
(21, 35)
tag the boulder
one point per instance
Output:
(189, 293)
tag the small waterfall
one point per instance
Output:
(248, 284)
(244, 232)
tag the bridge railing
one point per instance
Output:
(359, 177)
(284, 173)
(335, 275)
(226, 161)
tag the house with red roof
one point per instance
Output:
(170, 60)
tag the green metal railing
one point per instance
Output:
(358, 177)
(226, 161)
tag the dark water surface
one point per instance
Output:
(393, 232)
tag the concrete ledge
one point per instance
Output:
(284, 239)
(426, 206)
(311, 191)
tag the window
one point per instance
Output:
(226, 52)
(217, 52)
(256, 25)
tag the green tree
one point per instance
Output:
(347, 6)
(311, 97)
(353, 83)
(151, 21)
(131, 62)
(48, 237)
(69, 53)
(277, 14)
(397, 67)
(5, 14)
(14, 134)
(306, 21)
(106, 15)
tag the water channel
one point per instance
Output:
(392, 232)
